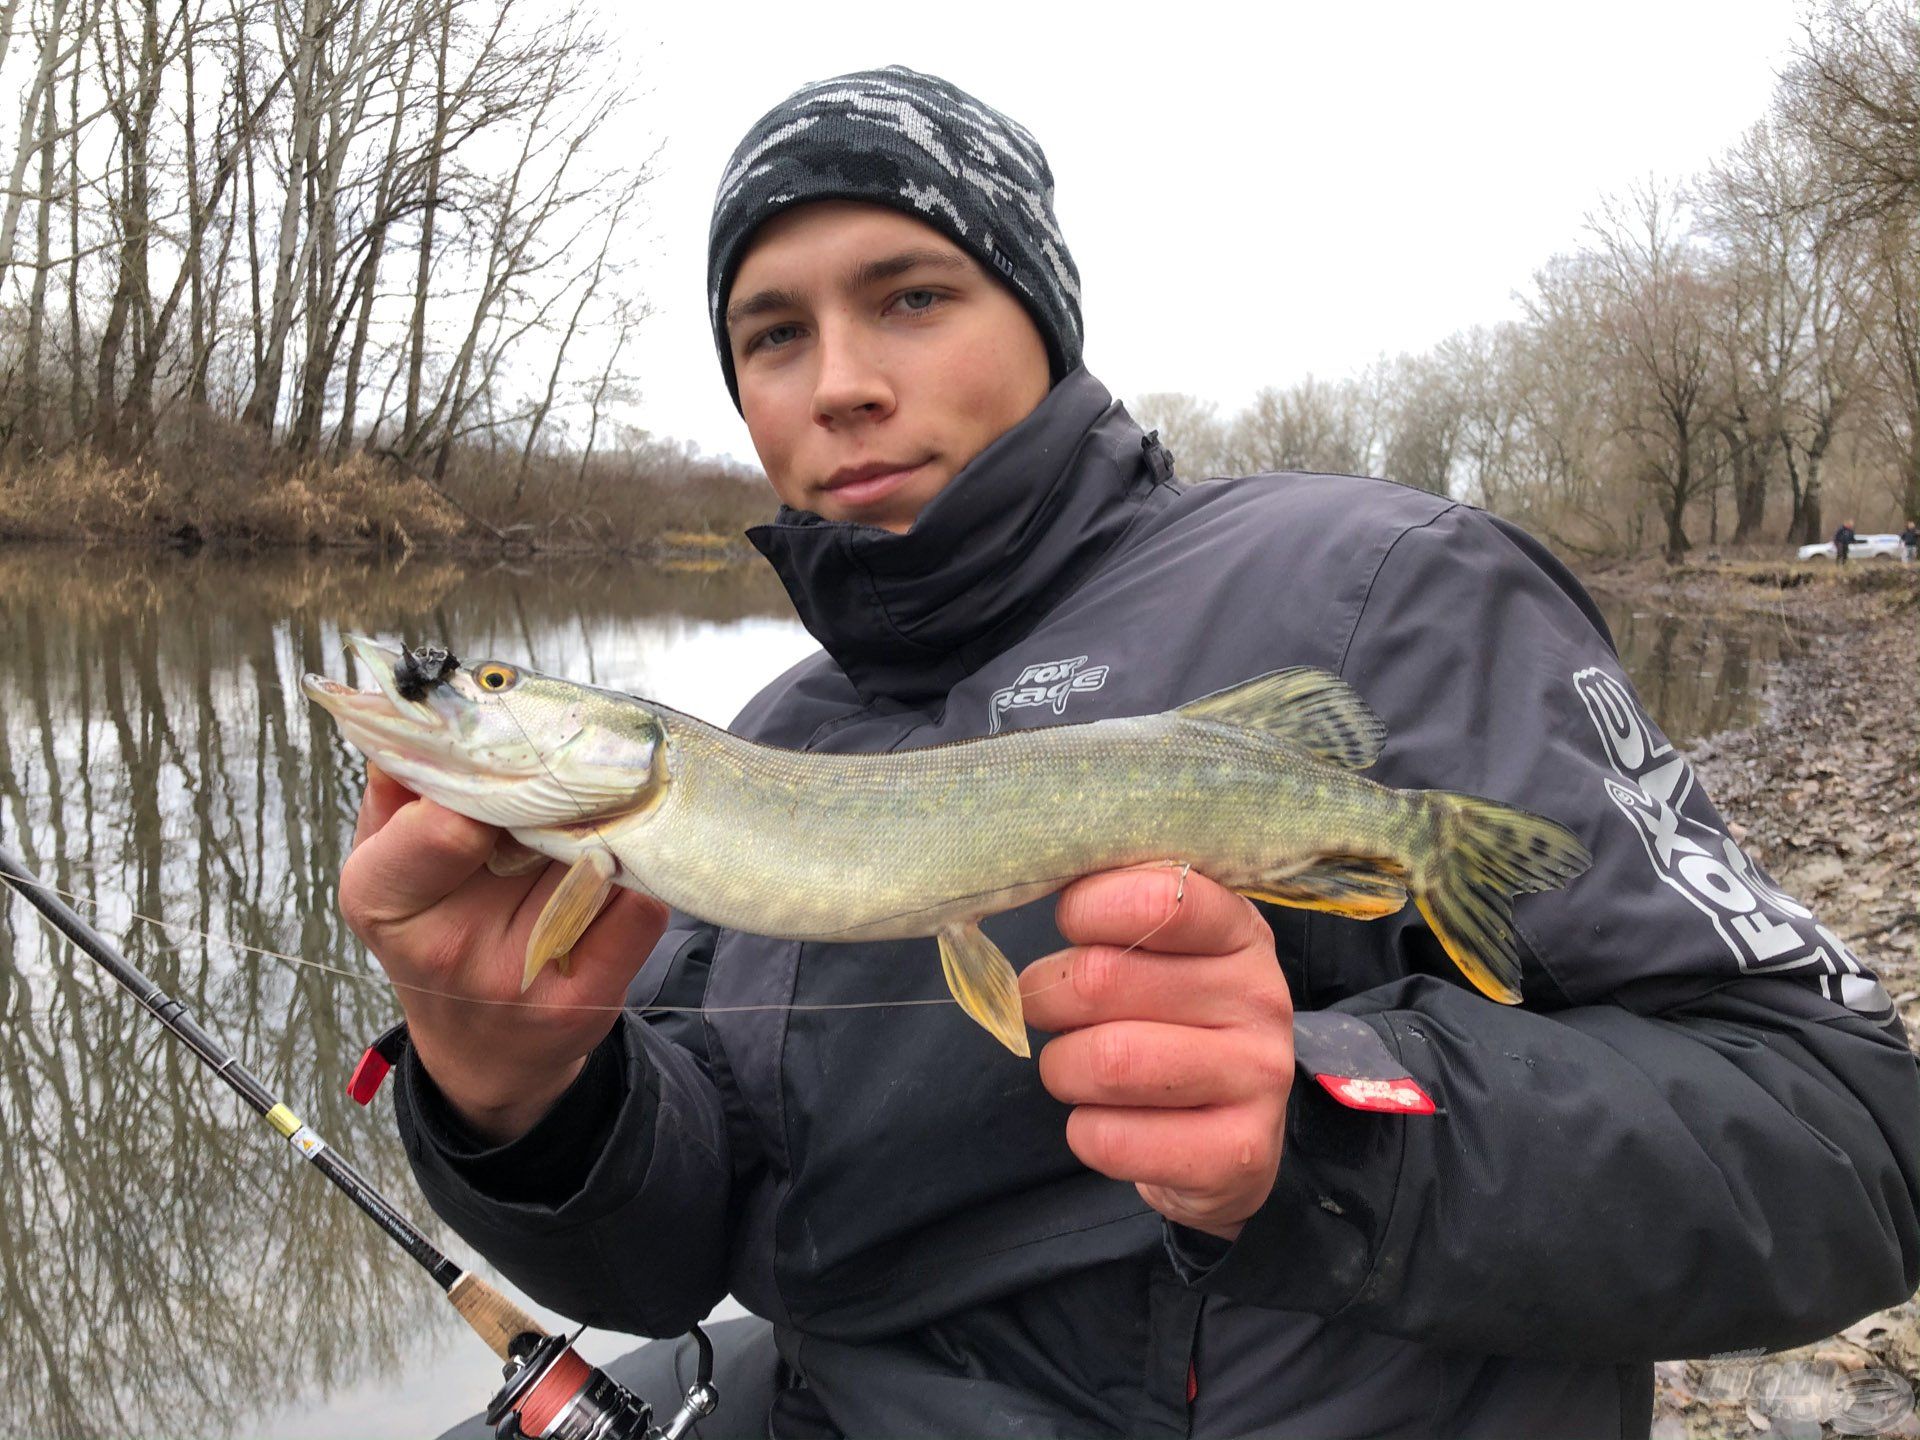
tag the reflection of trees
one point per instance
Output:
(363, 590)
(150, 1218)
(1696, 674)
(1726, 700)
(163, 1257)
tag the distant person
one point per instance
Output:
(1843, 539)
(1910, 543)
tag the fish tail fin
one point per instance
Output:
(1486, 853)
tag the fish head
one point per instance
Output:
(497, 742)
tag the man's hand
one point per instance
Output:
(452, 936)
(1177, 1055)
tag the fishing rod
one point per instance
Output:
(549, 1392)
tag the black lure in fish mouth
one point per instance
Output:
(421, 669)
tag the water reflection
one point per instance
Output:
(1697, 674)
(166, 1267)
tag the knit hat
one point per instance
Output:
(924, 147)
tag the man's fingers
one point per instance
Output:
(1140, 1063)
(1162, 907)
(1198, 1152)
(1092, 984)
(419, 856)
(383, 798)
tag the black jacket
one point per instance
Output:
(1700, 1132)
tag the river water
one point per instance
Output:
(167, 1266)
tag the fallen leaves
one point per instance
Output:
(1824, 793)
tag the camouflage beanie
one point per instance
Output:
(921, 146)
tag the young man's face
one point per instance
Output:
(874, 358)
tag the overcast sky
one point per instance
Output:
(1251, 193)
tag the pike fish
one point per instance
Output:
(1257, 787)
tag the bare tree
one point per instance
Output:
(307, 98)
(57, 45)
(1312, 425)
(1651, 308)
(1852, 91)
(1423, 423)
(1190, 428)
(1885, 306)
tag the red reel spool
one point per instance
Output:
(564, 1379)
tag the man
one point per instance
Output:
(1843, 539)
(1699, 1132)
(1910, 542)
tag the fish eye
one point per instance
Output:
(495, 676)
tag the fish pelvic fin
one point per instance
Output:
(568, 912)
(982, 980)
(1315, 709)
(1359, 887)
(510, 857)
(1485, 854)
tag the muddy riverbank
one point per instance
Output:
(1824, 791)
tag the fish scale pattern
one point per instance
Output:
(857, 841)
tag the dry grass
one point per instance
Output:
(230, 488)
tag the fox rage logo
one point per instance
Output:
(1768, 932)
(1052, 682)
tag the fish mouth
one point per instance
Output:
(386, 708)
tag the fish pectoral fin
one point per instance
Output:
(569, 910)
(1312, 708)
(1354, 886)
(982, 980)
(510, 857)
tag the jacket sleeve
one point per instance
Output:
(1701, 1130)
(613, 1209)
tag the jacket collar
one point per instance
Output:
(909, 616)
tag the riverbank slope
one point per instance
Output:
(1823, 791)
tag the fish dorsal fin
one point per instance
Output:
(1314, 709)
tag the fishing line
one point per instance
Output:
(365, 978)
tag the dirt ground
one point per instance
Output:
(1824, 791)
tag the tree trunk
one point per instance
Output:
(367, 283)
(43, 81)
(76, 386)
(304, 434)
(107, 432)
(33, 433)
(1680, 491)
(196, 230)
(1677, 542)
(134, 414)
(264, 403)
(1912, 507)
(1804, 528)
(410, 425)
(1749, 493)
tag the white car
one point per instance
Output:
(1864, 547)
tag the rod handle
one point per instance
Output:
(494, 1318)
